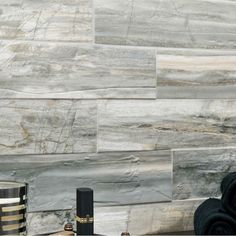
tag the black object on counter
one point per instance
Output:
(13, 203)
(125, 234)
(228, 189)
(211, 219)
(84, 218)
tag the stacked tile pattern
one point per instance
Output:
(132, 98)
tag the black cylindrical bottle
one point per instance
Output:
(84, 218)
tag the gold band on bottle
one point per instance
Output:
(85, 220)
(13, 227)
(14, 208)
(12, 217)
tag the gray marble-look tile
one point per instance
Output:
(156, 219)
(196, 73)
(108, 220)
(62, 70)
(141, 219)
(181, 23)
(148, 125)
(198, 172)
(117, 178)
(47, 126)
(48, 222)
(58, 20)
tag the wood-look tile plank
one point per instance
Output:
(58, 20)
(196, 73)
(207, 166)
(47, 126)
(148, 125)
(181, 23)
(75, 71)
(117, 178)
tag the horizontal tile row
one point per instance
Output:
(58, 20)
(117, 178)
(120, 178)
(179, 23)
(206, 24)
(74, 126)
(75, 71)
(156, 219)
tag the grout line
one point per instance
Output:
(107, 152)
(156, 75)
(73, 42)
(169, 49)
(93, 21)
(117, 99)
(97, 151)
(128, 218)
(46, 41)
(137, 47)
(79, 153)
(172, 176)
(201, 148)
(127, 46)
(77, 99)
(191, 199)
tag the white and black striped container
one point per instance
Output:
(13, 206)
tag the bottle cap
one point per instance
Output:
(125, 234)
(68, 227)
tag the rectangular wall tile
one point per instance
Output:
(58, 20)
(148, 125)
(117, 178)
(207, 166)
(61, 70)
(141, 219)
(181, 23)
(47, 126)
(196, 73)
(153, 219)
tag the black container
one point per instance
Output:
(84, 218)
(13, 205)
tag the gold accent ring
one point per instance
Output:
(12, 217)
(85, 220)
(14, 208)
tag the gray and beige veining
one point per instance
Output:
(178, 23)
(135, 99)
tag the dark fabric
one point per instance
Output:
(211, 219)
(228, 189)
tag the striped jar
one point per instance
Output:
(13, 206)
